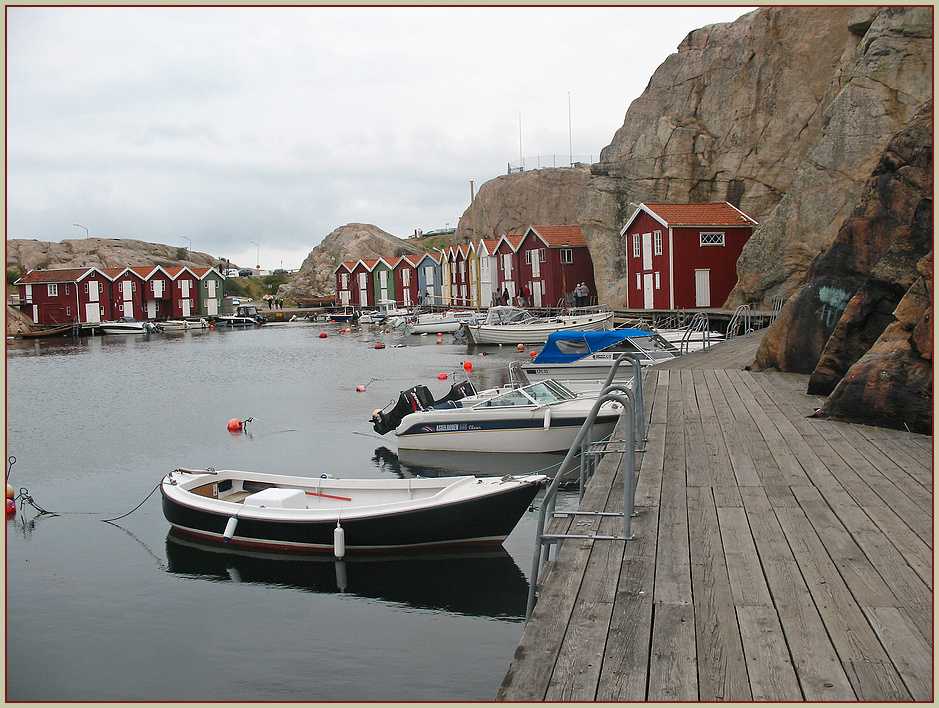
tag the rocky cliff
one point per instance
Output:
(29, 254)
(347, 243)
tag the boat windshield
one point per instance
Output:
(655, 346)
(536, 394)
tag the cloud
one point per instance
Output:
(279, 124)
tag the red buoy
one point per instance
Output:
(521, 347)
(468, 365)
(441, 376)
(322, 335)
(379, 345)
(360, 388)
(235, 425)
(533, 353)
(11, 507)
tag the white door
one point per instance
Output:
(535, 264)
(151, 309)
(157, 289)
(186, 305)
(647, 291)
(363, 288)
(128, 298)
(647, 251)
(537, 290)
(93, 292)
(92, 312)
(702, 288)
(212, 306)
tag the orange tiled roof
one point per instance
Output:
(722, 214)
(55, 275)
(559, 235)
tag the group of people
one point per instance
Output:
(523, 297)
(275, 303)
(581, 295)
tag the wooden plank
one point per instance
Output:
(820, 673)
(625, 671)
(772, 677)
(673, 671)
(696, 451)
(909, 651)
(745, 473)
(722, 471)
(747, 583)
(916, 552)
(721, 666)
(902, 448)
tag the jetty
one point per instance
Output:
(772, 556)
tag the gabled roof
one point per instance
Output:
(202, 271)
(487, 245)
(513, 240)
(56, 275)
(348, 265)
(147, 271)
(113, 273)
(412, 258)
(556, 236)
(722, 214)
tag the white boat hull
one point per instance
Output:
(537, 333)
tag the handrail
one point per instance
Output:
(742, 315)
(631, 400)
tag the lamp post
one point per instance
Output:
(564, 275)
(259, 256)
(83, 227)
(190, 246)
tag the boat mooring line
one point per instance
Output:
(258, 420)
(135, 508)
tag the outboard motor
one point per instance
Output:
(459, 390)
(416, 398)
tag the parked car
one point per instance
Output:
(231, 273)
(280, 271)
(245, 272)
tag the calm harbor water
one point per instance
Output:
(127, 611)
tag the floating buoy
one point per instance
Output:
(234, 425)
(10, 491)
(322, 335)
(211, 326)
(439, 341)
(11, 507)
(387, 331)
(365, 340)
(532, 353)
(360, 388)
(468, 365)
(439, 334)
(229, 529)
(441, 376)
(379, 345)
(339, 541)
(521, 347)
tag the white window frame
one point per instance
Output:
(52, 289)
(567, 256)
(637, 245)
(711, 238)
(658, 281)
(657, 240)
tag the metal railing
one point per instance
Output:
(742, 319)
(590, 455)
(539, 161)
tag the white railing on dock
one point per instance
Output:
(590, 455)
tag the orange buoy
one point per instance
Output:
(441, 376)
(533, 354)
(211, 326)
(468, 365)
(379, 345)
(235, 425)
(521, 347)
(439, 341)
(360, 388)
(10, 491)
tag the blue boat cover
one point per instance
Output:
(571, 345)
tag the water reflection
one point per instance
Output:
(447, 463)
(481, 583)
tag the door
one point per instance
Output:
(212, 306)
(127, 291)
(363, 289)
(537, 290)
(383, 286)
(92, 312)
(647, 251)
(186, 306)
(648, 289)
(151, 309)
(535, 264)
(702, 288)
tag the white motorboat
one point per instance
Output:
(128, 325)
(582, 360)
(434, 322)
(245, 316)
(386, 309)
(182, 325)
(505, 324)
(540, 417)
(324, 514)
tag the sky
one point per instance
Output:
(251, 133)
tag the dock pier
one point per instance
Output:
(774, 556)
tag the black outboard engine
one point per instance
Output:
(457, 391)
(416, 398)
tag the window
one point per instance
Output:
(711, 238)
(68, 310)
(658, 282)
(541, 255)
(66, 289)
(52, 290)
(657, 235)
(637, 246)
(528, 257)
(133, 285)
(638, 281)
(406, 276)
(567, 255)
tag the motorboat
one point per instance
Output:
(540, 417)
(128, 325)
(505, 324)
(434, 322)
(582, 360)
(245, 316)
(324, 514)
(347, 314)
(182, 325)
(53, 331)
(385, 311)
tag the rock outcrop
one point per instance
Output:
(29, 254)
(347, 243)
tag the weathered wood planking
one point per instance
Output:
(776, 557)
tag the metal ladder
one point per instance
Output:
(743, 318)
(631, 400)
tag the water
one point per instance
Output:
(127, 611)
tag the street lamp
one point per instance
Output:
(564, 275)
(190, 246)
(259, 256)
(82, 227)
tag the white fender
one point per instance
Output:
(230, 529)
(547, 418)
(339, 541)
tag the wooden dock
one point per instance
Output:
(775, 557)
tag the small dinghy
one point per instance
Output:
(325, 514)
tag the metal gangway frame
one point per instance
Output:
(590, 453)
(742, 318)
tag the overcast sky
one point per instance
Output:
(221, 127)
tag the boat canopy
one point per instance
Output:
(571, 345)
(506, 314)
